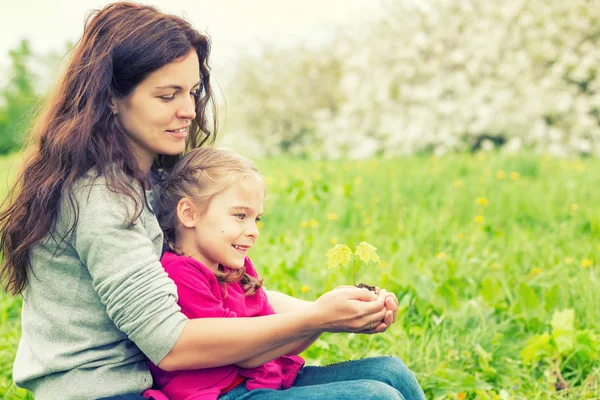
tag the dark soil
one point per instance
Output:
(369, 287)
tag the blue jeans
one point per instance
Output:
(367, 379)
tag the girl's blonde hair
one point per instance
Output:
(200, 175)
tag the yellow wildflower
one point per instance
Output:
(461, 235)
(568, 260)
(260, 224)
(585, 263)
(574, 207)
(500, 174)
(313, 223)
(367, 221)
(482, 201)
(536, 271)
(479, 219)
(514, 176)
(332, 216)
(441, 255)
(304, 289)
(333, 240)
(461, 396)
(304, 224)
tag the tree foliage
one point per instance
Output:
(437, 75)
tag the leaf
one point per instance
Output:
(528, 297)
(339, 255)
(367, 253)
(528, 305)
(563, 331)
(587, 345)
(563, 320)
(538, 347)
(551, 298)
(492, 293)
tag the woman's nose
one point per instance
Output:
(187, 109)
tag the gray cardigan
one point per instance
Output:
(97, 302)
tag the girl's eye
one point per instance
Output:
(240, 216)
(258, 219)
(168, 98)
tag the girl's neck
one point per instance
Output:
(189, 250)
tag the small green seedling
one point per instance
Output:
(341, 255)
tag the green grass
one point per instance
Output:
(478, 284)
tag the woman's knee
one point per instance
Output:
(395, 373)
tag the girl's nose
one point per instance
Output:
(253, 230)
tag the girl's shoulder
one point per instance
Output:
(179, 267)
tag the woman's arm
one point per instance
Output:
(283, 303)
(213, 342)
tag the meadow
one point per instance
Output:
(493, 257)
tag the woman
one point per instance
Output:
(82, 243)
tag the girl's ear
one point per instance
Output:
(186, 213)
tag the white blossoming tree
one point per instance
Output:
(438, 75)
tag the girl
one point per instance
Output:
(80, 238)
(210, 206)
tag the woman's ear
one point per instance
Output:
(186, 213)
(112, 103)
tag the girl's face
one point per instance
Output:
(158, 114)
(227, 229)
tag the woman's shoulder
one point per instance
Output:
(95, 189)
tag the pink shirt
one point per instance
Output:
(201, 296)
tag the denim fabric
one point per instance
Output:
(131, 396)
(366, 379)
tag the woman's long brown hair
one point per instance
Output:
(77, 131)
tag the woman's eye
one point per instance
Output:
(240, 216)
(168, 98)
(258, 219)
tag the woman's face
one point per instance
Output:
(158, 114)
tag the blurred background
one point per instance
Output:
(358, 78)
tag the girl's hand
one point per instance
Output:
(349, 309)
(391, 305)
